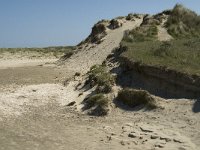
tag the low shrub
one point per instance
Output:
(131, 16)
(141, 34)
(77, 74)
(97, 99)
(132, 98)
(99, 103)
(120, 17)
(99, 75)
(68, 54)
(183, 22)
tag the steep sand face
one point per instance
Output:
(97, 53)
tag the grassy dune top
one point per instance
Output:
(181, 54)
(183, 23)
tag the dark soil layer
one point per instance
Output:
(159, 80)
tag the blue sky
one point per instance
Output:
(40, 23)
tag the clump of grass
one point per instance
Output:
(77, 74)
(98, 99)
(133, 98)
(120, 17)
(140, 34)
(183, 22)
(67, 54)
(99, 103)
(131, 16)
(103, 80)
(99, 75)
(151, 20)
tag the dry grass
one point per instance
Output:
(131, 16)
(140, 34)
(98, 75)
(133, 98)
(182, 55)
(98, 103)
(183, 22)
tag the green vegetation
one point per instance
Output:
(183, 22)
(120, 17)
(131, 16)
(140, 34)
(55, 51)
(96, 100)
(133, 98)
(98, 75)
(77, 74)
(182, 55)
(100, 104)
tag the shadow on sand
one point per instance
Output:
(120, 105)
(196, 106)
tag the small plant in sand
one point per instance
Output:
(133, 98)
(98, 75)
(132, 16)
(98, 103)
(77, 74)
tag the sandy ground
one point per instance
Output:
(34, 112)
(13, 63)
(162, 32)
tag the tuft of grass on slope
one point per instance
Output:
(131, 16)
(182, 55)
(140, 34)
(183, 22)
(98, 99)
(133, 98)
(98, 75)
(100, 104)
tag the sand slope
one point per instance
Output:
(97, 53)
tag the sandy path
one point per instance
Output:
(163, 35)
